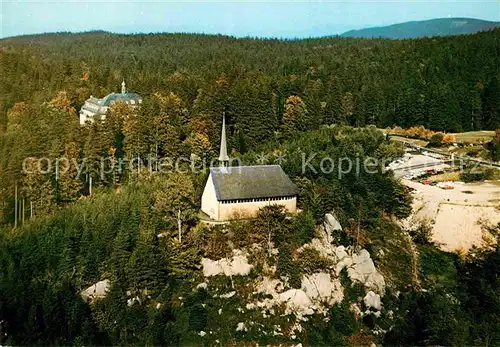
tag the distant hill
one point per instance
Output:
(425, 28)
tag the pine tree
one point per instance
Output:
(295, 115)
(136, 132)
(38, 188)
(347, 107)
(68, 182)
(491, 104)
(175, 202)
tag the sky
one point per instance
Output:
(274, 18)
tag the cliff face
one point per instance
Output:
(264, 295)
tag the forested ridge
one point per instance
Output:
(281, 99)
(425, 28)
(445, 84)
(156, 296)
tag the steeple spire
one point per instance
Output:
(223, 157)
(123, 88)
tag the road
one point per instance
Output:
(457, 159)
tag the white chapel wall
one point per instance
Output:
(209, 203)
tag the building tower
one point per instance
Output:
(124, 90)
(223, 157)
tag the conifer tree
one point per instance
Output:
(491, 104)
(295, 115)
(175, 202)
(68, 181)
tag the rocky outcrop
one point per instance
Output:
(361, 269)
(372, 301)
(237, 265)
(318, 291)
(360, 266)
(331, 224)
(321, 288)
(96, 291)
(297, 302)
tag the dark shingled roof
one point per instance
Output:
(248, 182)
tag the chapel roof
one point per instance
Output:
(248, 182)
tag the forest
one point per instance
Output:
(71, 214)
(268, 90)
(128, 235)
(446, 84)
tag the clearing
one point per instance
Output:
(475, 136)
(457, 215)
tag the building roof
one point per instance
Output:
(97, 105)
(127, 97)
(248, 182)
(110, 98)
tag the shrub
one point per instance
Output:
(475, 176)
(305, 227)
(352, 291)
(422, 235)
(311, 261)
(417, 132)
(449, 138)
(287, 268)
(436, 140)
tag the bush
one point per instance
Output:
(422, 235)
(476, 176)
(311, 261)
(352, 291)
(436, 140)
(287, 268)
(305, 227)
(494, 147)
(449, 139)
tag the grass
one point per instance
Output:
(446, 177)
(475, 136)
(475, 151)
(418, 142)
(437, 266)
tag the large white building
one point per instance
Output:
(240, 191)
(95, 107)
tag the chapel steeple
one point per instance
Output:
(223, 157)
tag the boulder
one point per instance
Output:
(297, 302)
(372, 300)
(344, 263)
(202, 285)
(360, 268)
(241, 327)
(227, 295)
(363, 270)
(237, 265)
(340, 252)
(96, 291)
(320, 287)
(331, 224)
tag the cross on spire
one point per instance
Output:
(223, 157)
